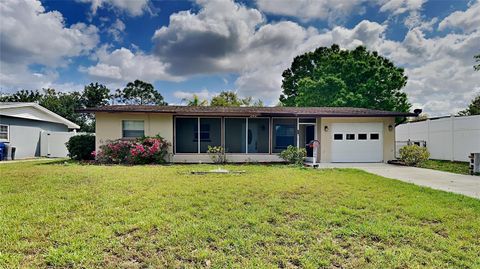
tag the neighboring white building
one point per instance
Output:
(447, 138)
(22, 125)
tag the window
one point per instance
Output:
(4, 132)
(338, 137)
(284, 134)
(187, 134)
(362, 136)
(307, 120)
(210, 133)
(350, 136)
(204, 133)
(132, 128)
(374, 136)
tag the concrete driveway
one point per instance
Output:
(462, 184)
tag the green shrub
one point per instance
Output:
(217, 153)
(145, 150)
(80, 147)
(414, 155)
(293, 155)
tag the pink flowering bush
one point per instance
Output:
(146, 150)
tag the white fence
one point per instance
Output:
(450, 138)
(52, 144)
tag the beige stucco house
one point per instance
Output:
(256, 134)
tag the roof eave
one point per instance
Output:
(251, 114)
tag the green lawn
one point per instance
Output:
(447, 166)
(55, 215)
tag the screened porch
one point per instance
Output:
(242, 135)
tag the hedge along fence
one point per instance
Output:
(145, 150)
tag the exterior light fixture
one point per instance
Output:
(390, 127)
(325, 128)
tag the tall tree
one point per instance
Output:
(335, 77)
(473, 108)
(22, 96)
(140, 93)
(64, 104)
(195, 101)
(95, 95)
(230, 98)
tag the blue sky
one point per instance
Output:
(203, 47)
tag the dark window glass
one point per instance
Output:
(185, 135)
(210, 133)
(338, 137)
(374, 136)
(235, 135)
(307, 120)
(284, 134)
(350, 136)
(362, 136)
(132, 128)
(258, 135)
(204, 132)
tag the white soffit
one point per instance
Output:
(33, 111)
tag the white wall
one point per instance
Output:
(452, 138)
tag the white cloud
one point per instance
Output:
(467, 21)
(207, 39)
(397, 7)
(131, 7)
(30, 35)
(334, 10)
(203, 94)
(122, 65)
(116, 30)
(331, 10)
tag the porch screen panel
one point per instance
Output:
(185, 135)
(235, 135)
(258, 139)
(284, 134)
(210, 133)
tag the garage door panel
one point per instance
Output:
(365, 144)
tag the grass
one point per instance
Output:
(447, 166)
(80, 216)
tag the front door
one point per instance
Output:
(309, 136)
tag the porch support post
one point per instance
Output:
(198, 135)
(246, 135)
(298, 133)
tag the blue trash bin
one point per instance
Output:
(3, 151)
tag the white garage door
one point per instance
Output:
(357, 142)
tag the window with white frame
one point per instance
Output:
(133, 128)
(4, 132)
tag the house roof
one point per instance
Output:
(33, 111)
(249, 111)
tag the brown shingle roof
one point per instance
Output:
(250, 111)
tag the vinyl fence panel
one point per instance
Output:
(450, 138)
(52, 144)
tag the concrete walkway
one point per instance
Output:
(462, 184)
